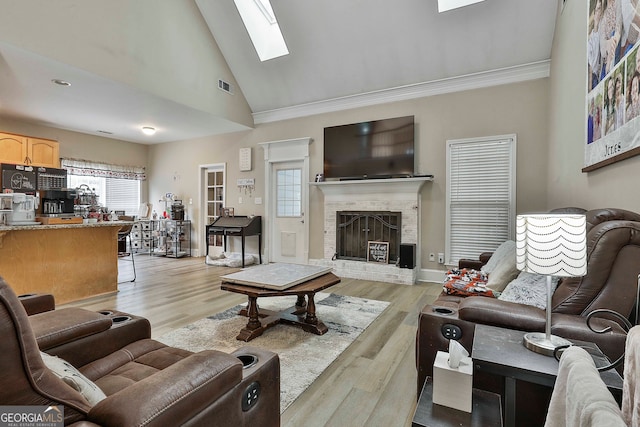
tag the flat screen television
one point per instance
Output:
(374, 149)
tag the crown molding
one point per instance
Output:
(520, 73)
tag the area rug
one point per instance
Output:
(303, 356)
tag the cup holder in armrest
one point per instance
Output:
(120, 319)
(445, 311)
(106, 312)
(248, 360)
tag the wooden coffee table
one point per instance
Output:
(302, 314)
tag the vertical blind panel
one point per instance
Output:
(480, 198)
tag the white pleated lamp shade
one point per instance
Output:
(552, 244)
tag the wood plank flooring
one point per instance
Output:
(372, 383)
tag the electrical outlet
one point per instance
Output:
(240, 200)
(432, 256)
(440, 258)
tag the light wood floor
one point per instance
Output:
(372, 383)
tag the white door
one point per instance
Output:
(288, 238)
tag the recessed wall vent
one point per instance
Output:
(222, 85)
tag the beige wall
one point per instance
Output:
(615, 185)
(112, 39)
(516, 108)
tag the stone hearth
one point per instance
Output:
(398, 195)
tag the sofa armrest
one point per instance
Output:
(37, 303)
(505, 314)
(611, 343)
(174, 395)
(475, 264)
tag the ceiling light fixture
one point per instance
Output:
(61, 82)
(148, 130)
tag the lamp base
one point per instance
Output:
(538, 342)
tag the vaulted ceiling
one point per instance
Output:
(134, 62)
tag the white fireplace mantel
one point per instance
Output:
(372, 186)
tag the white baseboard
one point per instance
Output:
(431, 276)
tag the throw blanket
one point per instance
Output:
(631, 385)
(466, 282)
(580, 397)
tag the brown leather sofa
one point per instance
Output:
(613, 257)
(145, 382)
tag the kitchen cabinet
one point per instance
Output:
(18, 149)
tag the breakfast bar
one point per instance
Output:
(70, 261)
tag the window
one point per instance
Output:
(481, 181)
(117, 187)
(113, 193)
(263, 28)
(289, 192)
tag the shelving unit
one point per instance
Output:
(170, 238)
(141, 236)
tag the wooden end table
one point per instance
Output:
(302, 314)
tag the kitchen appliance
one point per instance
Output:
(23, 210)
(19, 178)
(177, 210)
(59, 203)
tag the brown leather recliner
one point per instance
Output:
(146, 382)
(613, 257)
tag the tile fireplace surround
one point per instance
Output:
(396, 194)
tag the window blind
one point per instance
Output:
(480, 195)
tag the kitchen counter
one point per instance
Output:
(70, 261)
(57, 226)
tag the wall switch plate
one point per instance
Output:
(432, 256)
(258, 200)
(240, 200)
(440, 258)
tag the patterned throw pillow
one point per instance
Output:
(529, 289)
(466, 282)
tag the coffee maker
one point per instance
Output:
(23, 210)
(57, 203)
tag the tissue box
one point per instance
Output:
(452, 387)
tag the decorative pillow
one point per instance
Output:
(506, 248)
(466, 283)
(504, 273)
(529, 289)
(70, 375)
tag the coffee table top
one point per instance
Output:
(277, 275)
(309, 287)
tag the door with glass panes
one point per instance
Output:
(214, 180)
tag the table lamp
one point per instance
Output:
(550, 245)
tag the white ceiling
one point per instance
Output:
(338, 50)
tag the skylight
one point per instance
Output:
(263, 29)
(444, 5)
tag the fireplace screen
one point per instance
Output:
(355, 229)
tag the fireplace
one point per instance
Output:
(367, 203)
(354, 229)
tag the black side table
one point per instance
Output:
(486, 410)
(500, 351)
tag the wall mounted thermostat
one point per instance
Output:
(245, 159)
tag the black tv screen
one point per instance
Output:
(374, 149)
